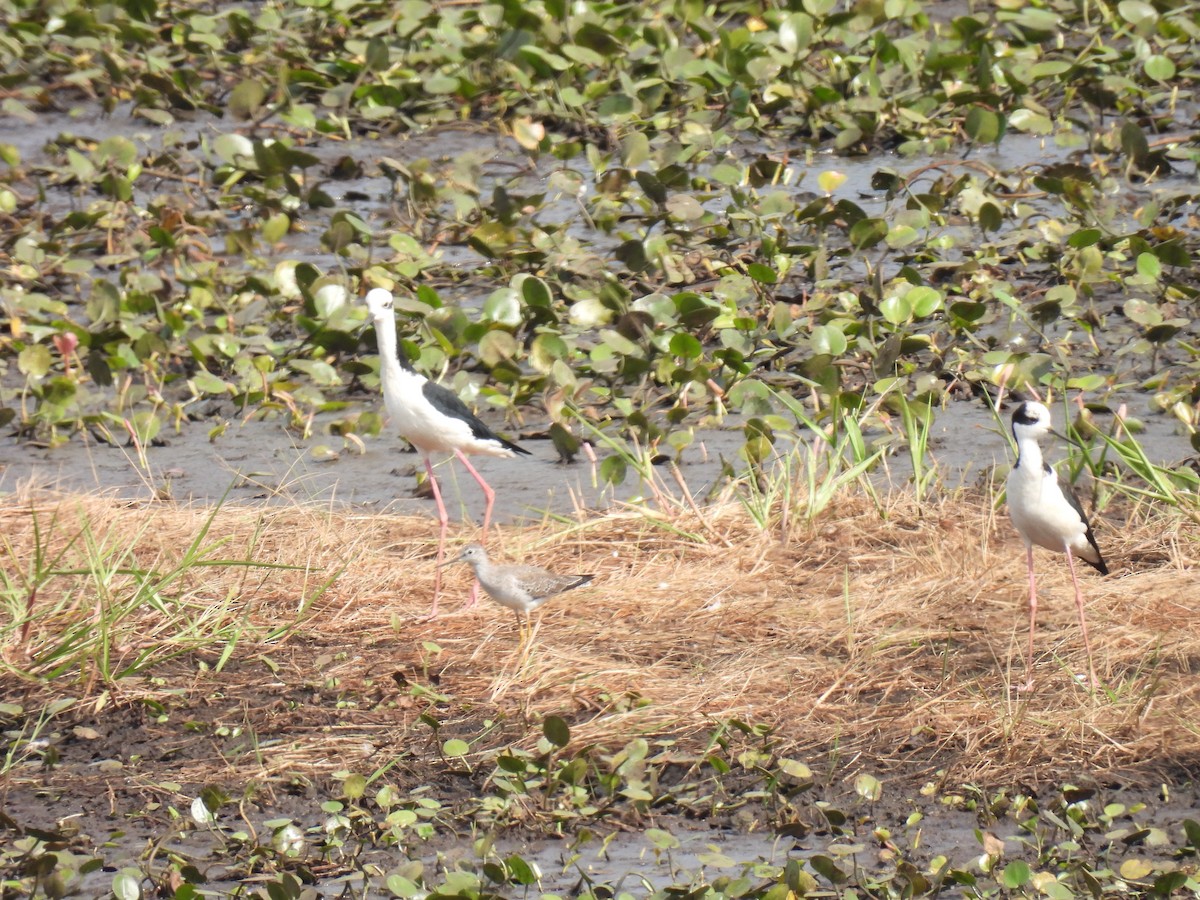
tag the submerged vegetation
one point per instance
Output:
(816, 225)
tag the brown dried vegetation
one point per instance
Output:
(887, 644)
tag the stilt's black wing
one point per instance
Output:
(447, 403)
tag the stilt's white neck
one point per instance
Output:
(1029, 454)
(391, 372)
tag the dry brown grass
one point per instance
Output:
(890, 645)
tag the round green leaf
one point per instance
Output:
(990, 216)
(378, 56)
(924, 300)
(896, 310)
(556, 731)
(1137, 12)
(496, 347)
(536, 293)
(827, 340)
(685, 345)
(455, 747)
(1084, 237)
(1015, 875)
(1160, 68)
(127, 885)
(246, 99)
(1135, 869)
(503, 306)
(762, 274)
(868, 232)
(868, 787)
(354, 787)
(982, 125)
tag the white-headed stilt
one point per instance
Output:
(1046, 512)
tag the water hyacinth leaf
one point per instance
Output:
(546, 350)
(829, 181)
(556, 731)
(762, 274)
(1016, 875)
(1142, 312)
(354, 787)
(119, 151)
(868, 787)
(613, 470)
(528, 133)
(456, 748)
(795, 33)
(662, 840)
(378, 56)
(503, 306)
(635, 149)
(246, 99)
(34, 361)
(867, 233)
(796, 769)
(1173, 253)
(1160, 68)
(1085, 237)
(827, 340)
(1030, 122)
(896, 310)
(827, 869)
(1191, 830)
(204, 382)
(127, 885)
(236, 150)
(201, 814)
(1137, 13)
(684, 207)
(520, 871)
(497, 347)
(276, 228)
(983, 126)
(924, 301)
(1133, 141)
(685, 345)
(1168, 883)
(990, 217)
(1135, 869)
(536, 292)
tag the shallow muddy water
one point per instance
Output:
(633, 860)
(261, 461)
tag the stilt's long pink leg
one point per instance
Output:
(1032, 616)
(489, 497)
(1087, 645)
(444, 524)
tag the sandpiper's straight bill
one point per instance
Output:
(1046, 512)
(521, 588)
(434, 420)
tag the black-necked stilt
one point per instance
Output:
(1046, 512)
(521, 588)
(434, 420)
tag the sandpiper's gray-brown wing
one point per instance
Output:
(539, 583)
